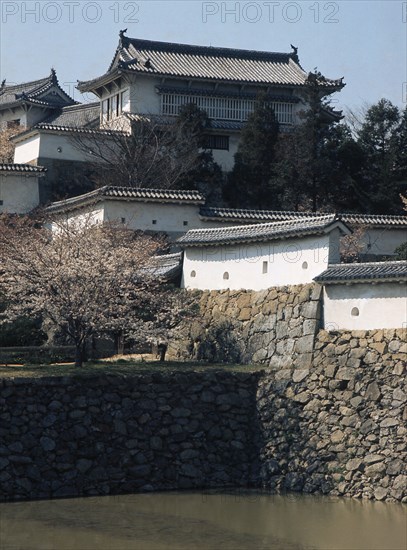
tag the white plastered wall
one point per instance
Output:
(51, 146)
(84, 217)
(365, 306)
(28, 150)
(286, 262)
(19, 193)
(169, 218)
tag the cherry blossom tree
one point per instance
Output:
(84, 278)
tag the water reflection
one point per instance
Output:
(238, 520)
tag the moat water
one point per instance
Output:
(229, 520)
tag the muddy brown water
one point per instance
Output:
(201, 520)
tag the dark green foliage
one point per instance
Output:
(317, 161)
(381, 137)
(205, 175)
(401, 252)
(400, 153)
(23, 332)
(249, 182)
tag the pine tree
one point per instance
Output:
(206, 175)
(378, 138)
(309, 155)
(249, 182)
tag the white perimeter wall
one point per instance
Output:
(82, 218)
(19, 193)
(28, 150)
(46, 146)
(169, 218)
(381, 305)
(289, 262)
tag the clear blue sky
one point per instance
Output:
(364, 41)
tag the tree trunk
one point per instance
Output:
(79, 349)
(162, 350)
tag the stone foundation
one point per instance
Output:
(274, 327)
(338, 428)
(106, 435)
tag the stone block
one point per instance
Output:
(303, 361)
(310, 310)
(373, 392)
(300, 374)
(354, 464)
(380, 493)
(245, 314)
(305, 344)
(309, 327)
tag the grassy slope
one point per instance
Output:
(117, 369)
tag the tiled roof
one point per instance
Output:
(34, 92)
(189, 61)
(167, 266)
(240, 214)
(58, 129)
(77, 116)
(22, 168)
(372, 271)
(260, 232)
(244, 216)
(375, 219)
(164, 195)
(127, 194)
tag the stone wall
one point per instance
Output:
(338, 428)
(328, 415)
(91, 436)
(273, 327)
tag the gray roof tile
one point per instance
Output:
(34, 92)
(167, 266)
(77, 116)
(372, 271)
(260, 232)
(22, 168)
(128, 194)
(189, 61)
(243, 215)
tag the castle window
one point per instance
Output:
(154, 222)
(217, 142)
(226, 276)
(185, 222)
(13, 123)
(304, 265)
(193, 273)
(105, 110)
(114, 106)
(124, 101)
(265, 267)
(222, 108)
(355, 312)
(123, 220)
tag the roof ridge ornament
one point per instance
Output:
(53, 76)
(123, 40)
(294, 54)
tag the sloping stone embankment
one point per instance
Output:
(273, 327)
(338, 428)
